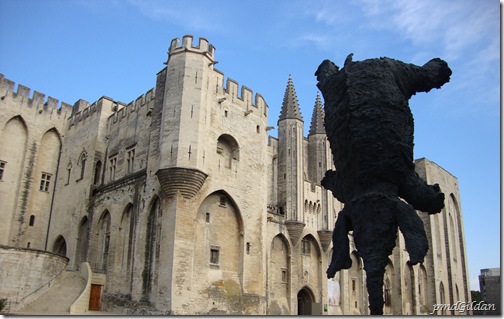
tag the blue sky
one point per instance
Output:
(85, 49)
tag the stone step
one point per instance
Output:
(59, 297)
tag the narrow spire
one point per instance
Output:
(317, 121)
(290, 105)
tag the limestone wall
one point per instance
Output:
(25, 274)
(31, 129)
(447, 265)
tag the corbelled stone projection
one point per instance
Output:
(370, 130)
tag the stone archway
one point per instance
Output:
(60, 246)
(82, 242)
(306, 300)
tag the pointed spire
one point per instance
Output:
(317, 121)
(290, 106)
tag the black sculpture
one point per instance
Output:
(370, 130)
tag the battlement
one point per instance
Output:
(114, 110)
(243, 97)
(122, 109)
(37, 101)
(81, 110)
(203, 46)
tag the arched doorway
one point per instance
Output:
(60, 247)
(279, 276)
(103, 242)
(305, 302)
(152, 250)
(82, 242)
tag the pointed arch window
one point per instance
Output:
(228, 149)
(98, 169)
(82, 162)
(104, 241)
(69, 172)
(153, 248)
(60, 246)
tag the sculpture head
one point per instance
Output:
(325, 69)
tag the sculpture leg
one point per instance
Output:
(420, 195)
(341, 245)
(374, 283)
(412, 228)
(375, 233)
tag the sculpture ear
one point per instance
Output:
(326, 68)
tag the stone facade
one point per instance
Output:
(186, 205)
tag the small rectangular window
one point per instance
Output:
(2, 169)
(353, 285)
(130, 160)
(112, 167)
(222, 201)
(214, 255)
(285, 277)
(32, 220)
(207, 217)
(45, 181)
(305, 247)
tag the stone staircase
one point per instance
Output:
(59, 298)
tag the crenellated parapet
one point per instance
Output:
(243, 97)
(38, 101)
(203, 47)
(226, 89)
(82, 110)
(123, 110)
(113, 111)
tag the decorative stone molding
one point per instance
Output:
(325, 236)
(186, 180)
(295, 229)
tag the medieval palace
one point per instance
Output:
(180, 203)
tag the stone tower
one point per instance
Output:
(290, 162)
(319, 161)
(184, 116)
(210, 141)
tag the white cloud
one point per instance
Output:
(186, 14)
(449, 27)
